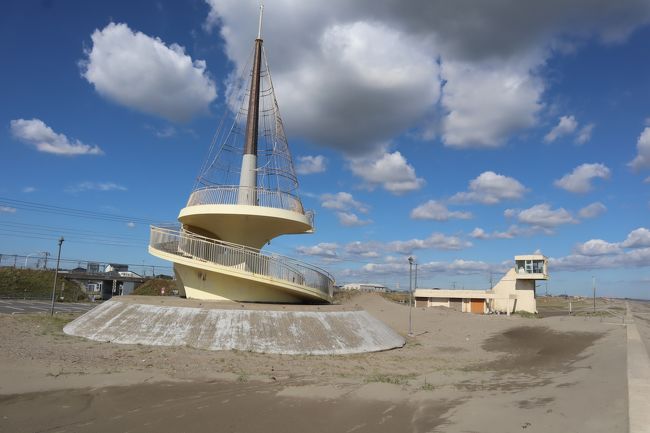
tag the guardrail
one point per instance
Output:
(182, 243)
(229, 194)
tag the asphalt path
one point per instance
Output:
(15, 306)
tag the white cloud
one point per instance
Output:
(485, 103)
(566, 126)
(490, 188)
(437, 241)
(646, 180)
(391, 171)
(130, 224)
(364, 249)
(311, 164)
(350, 219)
(584, 135)
(642, 159)
(638, 258)
(142, 72)
(28, 189)
(512, 232)
(579, 180)
(633, 252)
(401, 266)
(363, 71)
(7, 209)
(597, 247)
(437, 211)
(166, 132)
(342, 201)
(347, 206)
(36, 133)
(542, 215)
(639, 238)
(95, 186)
(326, 250)
(478, 233)
(592, 210)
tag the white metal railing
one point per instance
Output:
(241, 258)
(230, 194)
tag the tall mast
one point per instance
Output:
(248, 176)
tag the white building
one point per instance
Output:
(514, 292)
(365, 287)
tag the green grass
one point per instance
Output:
(399, 297)
(44, 324)
(395, 379)
(153, 287)
(427, 387)
(527, 315)
(37, 284)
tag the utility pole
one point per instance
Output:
(593, 285)
(415, 285)
(56, 274)
(410, 334)
(46, 256)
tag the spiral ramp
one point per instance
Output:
(215, 252)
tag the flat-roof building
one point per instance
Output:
(514, 292)
(365, 287)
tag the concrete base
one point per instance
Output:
(289, 329)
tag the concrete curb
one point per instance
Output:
(638, 379)
(263, 331)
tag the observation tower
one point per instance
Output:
(245, 195)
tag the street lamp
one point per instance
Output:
(593, 285)
(32, 254)
(411, 260)
(56, 274)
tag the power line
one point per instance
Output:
(30, 235)
(74, 231)
(73, 261)
(79, 213)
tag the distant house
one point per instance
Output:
(115, 267)
(514, 292)
(365, 287)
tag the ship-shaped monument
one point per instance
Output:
(246, 194)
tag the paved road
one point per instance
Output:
(638, 366)
(641, 312)
(11, 306)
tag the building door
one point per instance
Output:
(478, 306)
(456, 304)
(421, 302)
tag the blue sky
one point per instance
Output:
(519, 128)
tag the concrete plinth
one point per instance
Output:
(289, 329)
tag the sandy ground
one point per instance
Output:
(459, 373)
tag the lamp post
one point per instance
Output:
(32, 254)
(593, 284)
(410, 334)
(415, 283)
(56, 274)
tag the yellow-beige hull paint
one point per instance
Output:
(197, 279)
(253, 226)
